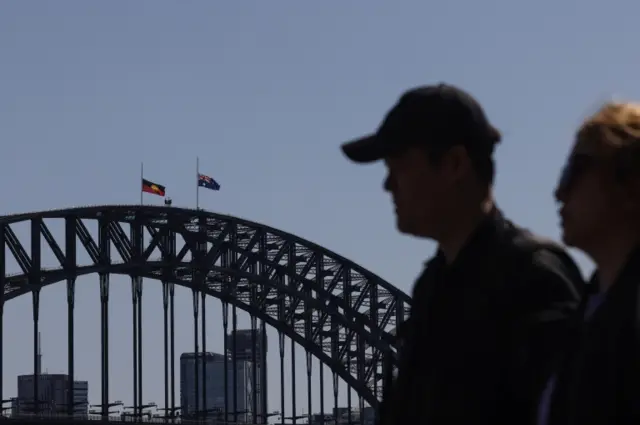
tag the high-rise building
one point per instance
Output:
(251, 346)
(52, 396)
(212, 377)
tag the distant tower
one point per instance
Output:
(246, 351)
(52, 391)
(39, 364)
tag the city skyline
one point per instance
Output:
(53, 399)
(123, 381)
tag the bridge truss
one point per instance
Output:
(337, 311)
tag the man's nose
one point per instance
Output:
(560, 194)
(387, 185)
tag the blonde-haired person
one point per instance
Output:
(599, 193)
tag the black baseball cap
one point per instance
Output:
(436, 116)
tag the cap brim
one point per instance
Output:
(364, 150)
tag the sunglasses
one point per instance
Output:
(577, 165)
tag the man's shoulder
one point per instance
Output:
(522, 237)
(546, 269)
(532, 249)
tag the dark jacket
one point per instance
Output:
(485, 332)
(599, 383)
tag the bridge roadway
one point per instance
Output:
(95, 419)
(91, 420)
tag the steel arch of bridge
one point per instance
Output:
(338, 311)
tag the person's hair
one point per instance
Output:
(480, 153)
(614, 132)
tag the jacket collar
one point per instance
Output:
(476, 242)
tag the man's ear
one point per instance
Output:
(457, 163)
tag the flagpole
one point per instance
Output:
(141, 178)
(197, 183)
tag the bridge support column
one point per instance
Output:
(139, 324)
(309, 370)
(195, 350)
(104, 258)
(172, 332)
(134, 342)
(135, 327)
(136, 232)
(349, 411)
(321, 367)
(263, 372)
(281, 348)
(225, 330)
(234, 360)
(294, 410)
(255, 385)
(165, 316)
(168, 243)
(335, 395)
(203, 318)
(70, 264)
(71, 294)
(361, 375)
(104, 327)
(36, 350)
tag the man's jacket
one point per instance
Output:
(485, 332)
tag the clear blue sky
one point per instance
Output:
(263, 93)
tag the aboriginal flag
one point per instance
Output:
(153, 188)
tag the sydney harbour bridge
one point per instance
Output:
(340, 314)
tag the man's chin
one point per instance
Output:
(406, 229)
(403, 227)
(567, 242)
(400, 227)
(568, 239)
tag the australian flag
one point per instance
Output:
(208, 182)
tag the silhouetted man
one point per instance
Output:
(491, 309)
